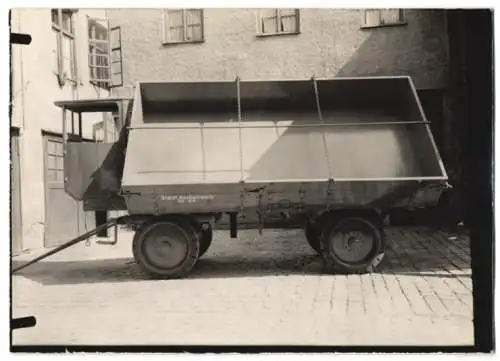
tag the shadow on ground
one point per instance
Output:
(416, 252)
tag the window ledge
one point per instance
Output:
(387, 25)
(266, 35)
(168, 43)
(100, 85)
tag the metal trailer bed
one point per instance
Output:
(332, 154)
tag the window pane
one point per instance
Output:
(58, 148)
(194, 32)
(67, 21)
(114, 38)
(54, 51)
(176, 34)
(193, 16)
(372, 17)
(50, 147)
(60, 163)
(60, 176)
(175, 18)
(68, 55)
(115, 56)
(55, 18)
(51, 162)
(116, 70)
(390, 16)
(92, 61)
(268, 25)
(288, 24)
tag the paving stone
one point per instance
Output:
(266, 289)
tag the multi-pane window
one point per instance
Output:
(63, 28)
(278, 21)
(105, 56)
(382, 17)
(98, 52)
(182, 25)
(55, 161)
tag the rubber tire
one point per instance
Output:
(184, 267)
(313, 236)
(334, 263)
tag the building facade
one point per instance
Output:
(220, 44)
(59, 64)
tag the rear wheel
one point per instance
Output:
(166, 248)
(352, 245)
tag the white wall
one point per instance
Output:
(35, 88)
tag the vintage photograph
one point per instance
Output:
(240, 177)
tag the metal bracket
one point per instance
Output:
(156, 206)
(115, 237)
(269, 197)
(242, 202)
(260, 212)
(329, 192)
(302, 193)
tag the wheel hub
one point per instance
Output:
(166, 246)
(352, 246)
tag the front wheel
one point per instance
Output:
(352, 245)
(166, 248)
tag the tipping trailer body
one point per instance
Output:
(333, 154)
(277, 145)
(231, 146)
(237, 146)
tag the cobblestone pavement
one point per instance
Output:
(253, 290)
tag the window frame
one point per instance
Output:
(278, 16)
(165, 28)
(58, 28)
(381, 23)
(106, 82)
(93, 43)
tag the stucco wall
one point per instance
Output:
(331, 43)
(35, 88)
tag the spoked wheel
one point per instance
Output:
(352, 245)
(167, 248)
(313, 235)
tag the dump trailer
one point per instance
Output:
(332, 155)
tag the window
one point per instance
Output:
(382, 17)
(65, 59)
(182, 26)
(278, 21)
(105, 55)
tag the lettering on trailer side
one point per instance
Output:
(187, 198)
